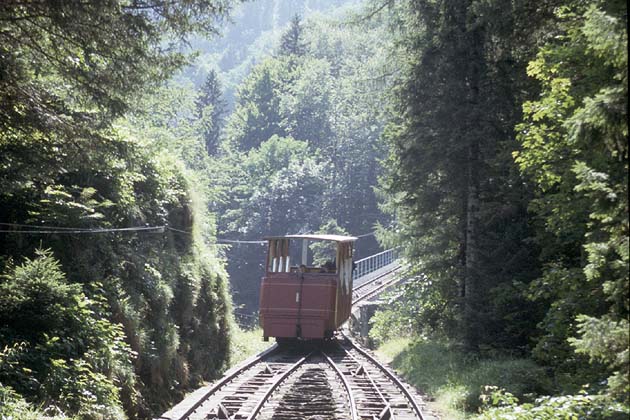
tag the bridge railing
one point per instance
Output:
(374, 262)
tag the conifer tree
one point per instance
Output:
(292, 42)
(211, 108)
(461, 205)
(574, 148)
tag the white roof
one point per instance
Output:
(314, 237)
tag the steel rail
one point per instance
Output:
(358, 362)
(228, 377)
(389, 374)
(380, 276)
(275, 385)
(376, 387)
(372, 292)
(354, 413)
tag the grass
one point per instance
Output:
(455, 380)
(246, 343)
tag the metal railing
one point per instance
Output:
(374, 262)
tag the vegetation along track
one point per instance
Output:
(331, 380)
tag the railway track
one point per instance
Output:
(330, 380)
(377, 392)
(323, 380)
(374, 286)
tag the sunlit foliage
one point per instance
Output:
(68, 163)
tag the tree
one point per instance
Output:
(276, 189)
(256, 117)
(211, 108)
(461, 204)
(58, 345)
(303, 145)
(305, 101)
(574, 147)
(324, 251)
(292, 42)
(104, 53)
(70, 72)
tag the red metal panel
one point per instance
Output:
(280, 306)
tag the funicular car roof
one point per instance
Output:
(335, 238)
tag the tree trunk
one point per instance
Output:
(470, 286)
(471, 290)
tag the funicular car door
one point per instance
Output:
(279, 294)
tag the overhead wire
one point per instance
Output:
(40, 231)
(40, 227)
(50, 230)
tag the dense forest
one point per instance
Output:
(508, 179)
(300, 150)
(146, 148)
(113, 295)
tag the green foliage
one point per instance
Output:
(528, 253)
(457, 378)
(302, 144)
(326, 251)
(415, 310)
(607, 341)
(284, 185)
(256, 117)
(58, 348)
(210, 109)
(292, 42)
(501, 405)
(70, 68)
(388, 324)
(68, 162)
(173, 125)
(273, 189)
(247, 343)
(575, 149)
(459, 203)
(13, 406)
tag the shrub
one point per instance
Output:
(386, 325)
(522, 377)
(501, 405)
(13, 406)
(57, 349)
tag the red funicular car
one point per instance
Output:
(305, 298)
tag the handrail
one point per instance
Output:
(374, 262)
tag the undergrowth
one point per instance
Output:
(456, 380)
(246, 343)
(465, 386)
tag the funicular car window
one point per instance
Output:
(344, 265)
(284, 256)
(279, 260)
